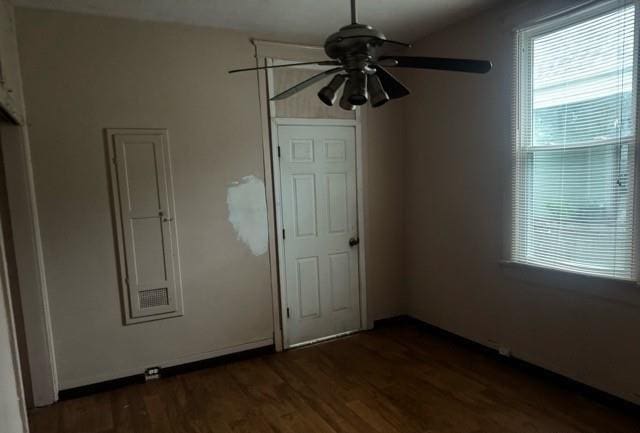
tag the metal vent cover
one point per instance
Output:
(153, 298)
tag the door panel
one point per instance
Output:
(304, 187)
(143, 177)
(149, 263)
(339, 278)
(301, 150)
(337, 203)
(319, 215)
(308, 287)
(148, 224)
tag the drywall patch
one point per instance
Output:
(248, 213)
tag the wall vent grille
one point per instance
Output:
(153, 298)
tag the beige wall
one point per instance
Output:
(457, 191)
(11, 96)
(384, 152)
(83, 74)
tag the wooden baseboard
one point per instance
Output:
(541, 373)
(394, 320)
(108, 385)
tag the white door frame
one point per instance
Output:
(31, 267)
(274, 122)
(5, 294)
(266, 52)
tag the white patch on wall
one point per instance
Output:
(248, 213)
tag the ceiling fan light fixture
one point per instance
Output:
(344, 102)
(329, 93)
(377, 94)
(354, 56)
(356, 88)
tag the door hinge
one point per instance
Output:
(278, 151)
(288, 313)
(284, 234)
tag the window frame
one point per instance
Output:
(522, 100)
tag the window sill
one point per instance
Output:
(608, 288)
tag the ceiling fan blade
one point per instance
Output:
(460, 65)
(393, 87)
(402, 44)
(387, 62)
(321, 63)
(306, 83)
(380, 40)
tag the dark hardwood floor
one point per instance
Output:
(395, 379)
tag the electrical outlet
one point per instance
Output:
(152, 373)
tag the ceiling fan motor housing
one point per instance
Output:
(354, 45)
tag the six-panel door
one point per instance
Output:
(319, 214)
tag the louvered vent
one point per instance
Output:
(153, 298)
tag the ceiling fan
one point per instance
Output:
(358, 65)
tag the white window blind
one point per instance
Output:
(575, 140)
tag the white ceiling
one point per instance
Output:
(303, 21)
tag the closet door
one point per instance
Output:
(148, 232)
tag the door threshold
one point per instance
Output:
(323, 339)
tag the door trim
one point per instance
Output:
(265, 53)
(356, 124)
(13, 350)
(23, 208)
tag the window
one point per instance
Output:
(575, 141)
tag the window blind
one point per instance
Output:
(575, 140)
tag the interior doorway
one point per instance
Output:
(302, 110)
(12, 271)
(15, 379)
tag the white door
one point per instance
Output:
(149, 238)
(320, 231)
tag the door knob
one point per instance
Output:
(354, 241)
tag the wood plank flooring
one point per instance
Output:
(395, 379)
